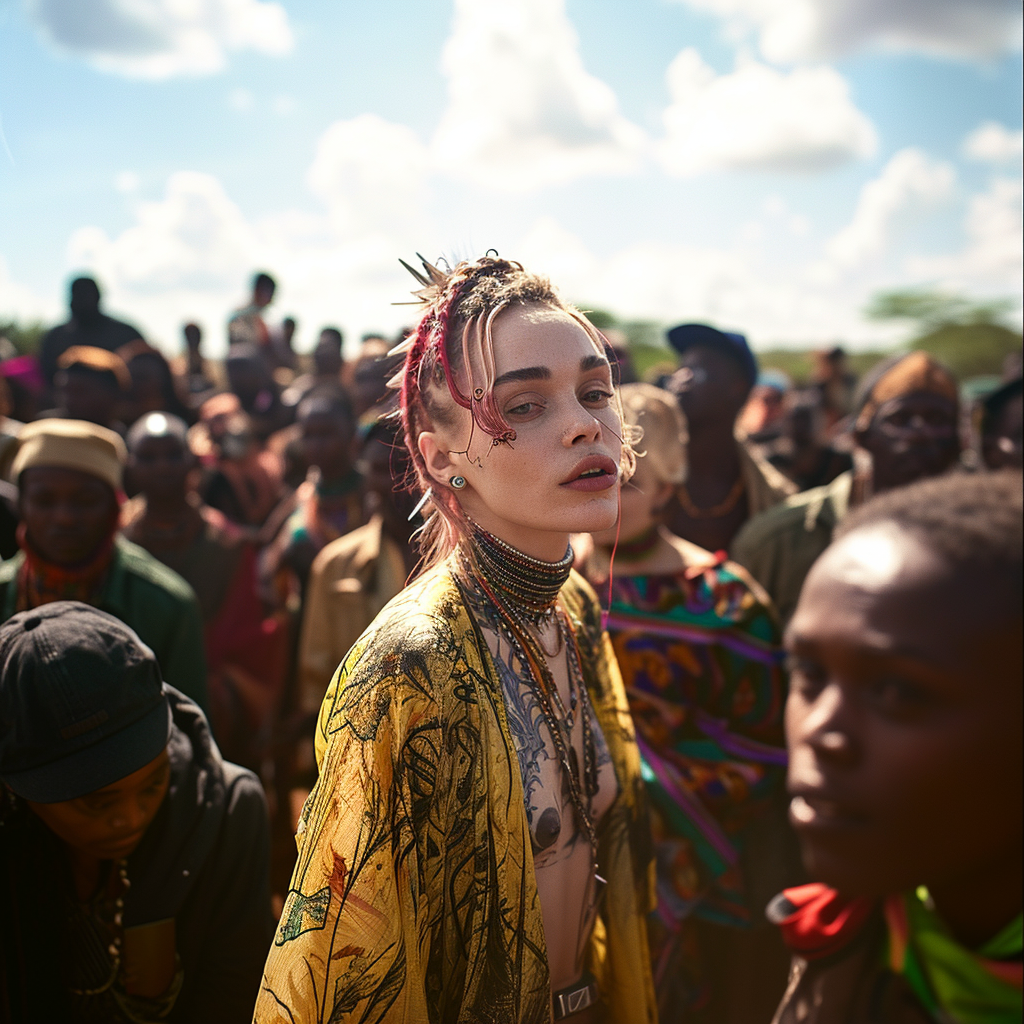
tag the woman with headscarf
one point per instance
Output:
(699, 649)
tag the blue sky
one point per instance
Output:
(764, 164)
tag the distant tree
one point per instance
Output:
(970, 336)
(24, 337)
(601, 318)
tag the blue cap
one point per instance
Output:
(686, 336)
(82, 703)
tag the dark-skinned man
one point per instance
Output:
(247, 325)
(727, 482)
(68, 474)
(906, 422)
(905, 762)
(88, 325)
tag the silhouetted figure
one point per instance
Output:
(327, 365)
(247, 324)
(88, 326)
(835, 382)
(370, 375)
(199, 384)
(242, 479)
(26, 388)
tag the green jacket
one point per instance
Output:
(779, 546)
(154, 601)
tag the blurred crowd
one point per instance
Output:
(247, 519)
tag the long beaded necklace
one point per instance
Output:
(524, 592)
(114, 949)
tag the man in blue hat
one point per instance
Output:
(728, 482)
(133, 859)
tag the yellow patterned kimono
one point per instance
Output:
(414, 897)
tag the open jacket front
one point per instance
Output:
(414, 897)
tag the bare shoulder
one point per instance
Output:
(692, 556)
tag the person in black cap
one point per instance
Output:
(133, 858)
(727, 482)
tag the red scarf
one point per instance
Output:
(41, 581)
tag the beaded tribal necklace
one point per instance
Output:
(528, 584)
(524, 591)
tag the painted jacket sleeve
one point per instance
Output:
(353, 935)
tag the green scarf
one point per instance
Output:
(954, 984)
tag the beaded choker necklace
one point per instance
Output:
(528, 584)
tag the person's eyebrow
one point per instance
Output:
(879, 650)
(593, 362)
(526, 373)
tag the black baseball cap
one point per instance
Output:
(686, 336)
(82, 702)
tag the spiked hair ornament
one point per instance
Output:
(438, 292)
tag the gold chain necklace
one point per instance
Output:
(723, 508)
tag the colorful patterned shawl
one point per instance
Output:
(699, 654)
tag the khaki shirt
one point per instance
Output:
(765, 485)
(779, 546)
(351, 580)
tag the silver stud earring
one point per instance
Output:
(458, 482)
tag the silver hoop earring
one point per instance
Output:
(458, 482)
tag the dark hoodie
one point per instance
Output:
(203, 861)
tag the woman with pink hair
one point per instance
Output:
(476, 847)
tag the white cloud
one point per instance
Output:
(158, 39)
(798, 30)
(20, 303)
(523, 111)
(736, 287)
(189, 254)
(760, 118)
(370, 173)
(994, 143)
(909, 182)
(991, 261)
